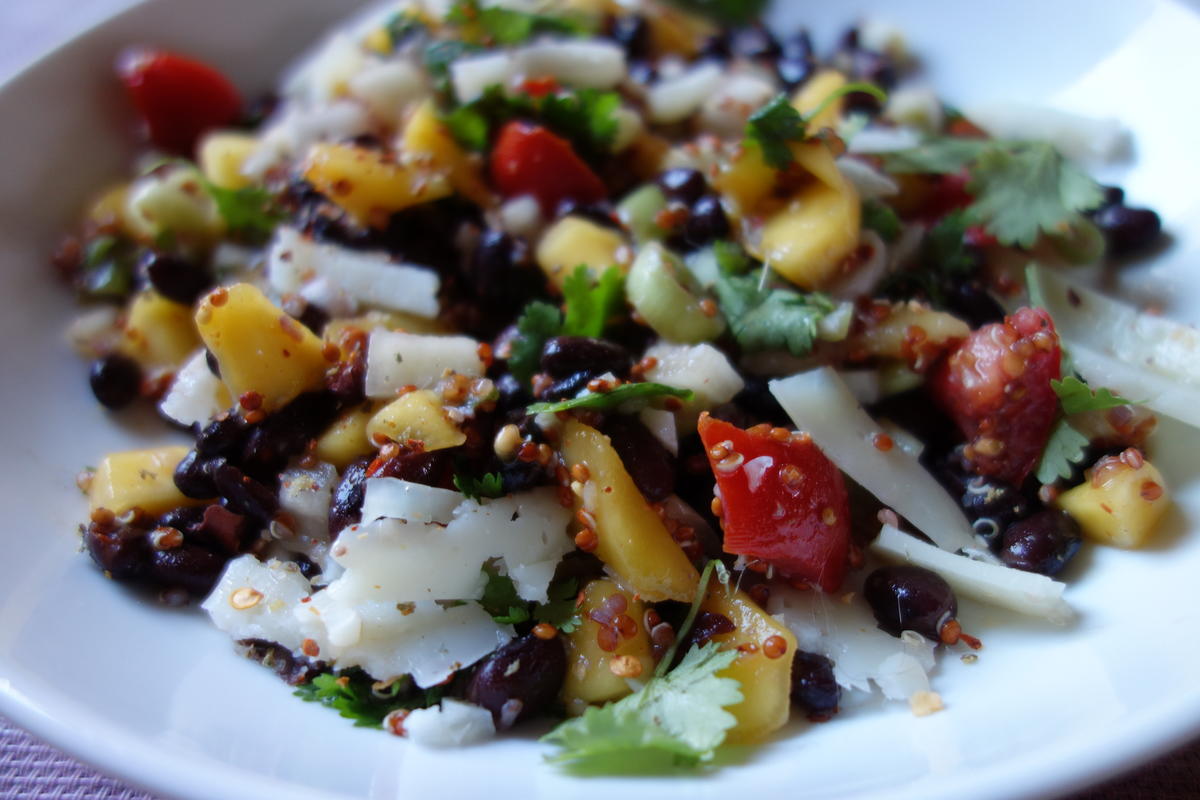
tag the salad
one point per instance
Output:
(630, 367)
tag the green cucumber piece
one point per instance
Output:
(638, 210)
(660, 288)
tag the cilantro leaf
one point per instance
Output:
(728, 12)
(777, 124)
(678, 719)
(560, 609)
(613, 399)
(938, 156)
(355, 695)
(1064, 449)
(488, 485)
(500, 598)
(585, 117)
(438, 57)
(881, 218)
(1023, 191)
(250, 213)
(537, 323)
(945, 246)
(498, 25)
(762, 318)
(590, 307)
(774, 126)
(1077, 396)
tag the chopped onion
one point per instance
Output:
(474, 74)
(369, 278)
(661, 423)
(586, 63)
(1149, 359)
(701, 367)
(396, 359)
(820, 403)
(995, 584)
(453, 724)
(870, 182)
(676, 99)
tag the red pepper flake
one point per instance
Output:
(310, 648)
(218, 297)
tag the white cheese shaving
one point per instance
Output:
(453, 724)
(196, 395)
(413, 502)
(396, 359)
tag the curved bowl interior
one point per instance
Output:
(158, 696)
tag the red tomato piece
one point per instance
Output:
(177, 97)
(528, 159)
(996, 387)
(539, 87)
(782, 501)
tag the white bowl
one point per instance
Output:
(158, 696)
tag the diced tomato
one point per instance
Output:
(177, 97)
(996, 387)
(782, 501)
(539, 87)
(528, 159)
(948, 193)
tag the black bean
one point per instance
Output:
(794, 71)
(188, 566)
(646, 459)
(759, 404)
(175, 278)
(755, 42)
(600, 213)
(971, 301)
(707, 222)
(563, 356)
(245, 495)
(513, 394)
(992, 506)
(1113, 196)
(220, 529)
(194, 475)
(519, 476)
(115, 380)
(308, 567)
(814, 687)
(182, 519)
(345, 508)
(520, 680)
(224, 436)
(1128, 230)
(569, 386)
(707, 625)
(683, 183)
(294, 669)
(348, 380)
(632, 32)
(798, 46)
(1043, 543)
(431, 468)
(286, 433)
(642, 72)
(213, 365)
(909, 598)
(121, 551)
(314, 318)
(873, 67)
(716, 47)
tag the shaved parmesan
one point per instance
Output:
(1150, 359)
(412, 502)
(369, 278)
(1074, 135)
(819, 402)
(998, 585)
(253, 600)
(196, 395)
(675, 99)
(396, 359)
(453, 724)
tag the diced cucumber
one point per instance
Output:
(660, 288)
(638, 210)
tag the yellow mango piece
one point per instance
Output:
(108, 209)
(813, 93)
(369, 184)
(575, 240)
(221, 155)
(590, 677)
(426, 138)
(143, 479)
(259, 347)
(806, 241)
(387, 320)
(158, 332)
(766, 681)
(748, 181)
(676, 31)
(346, 439)
(632, 539)
(416, 415)
(1118, 504)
